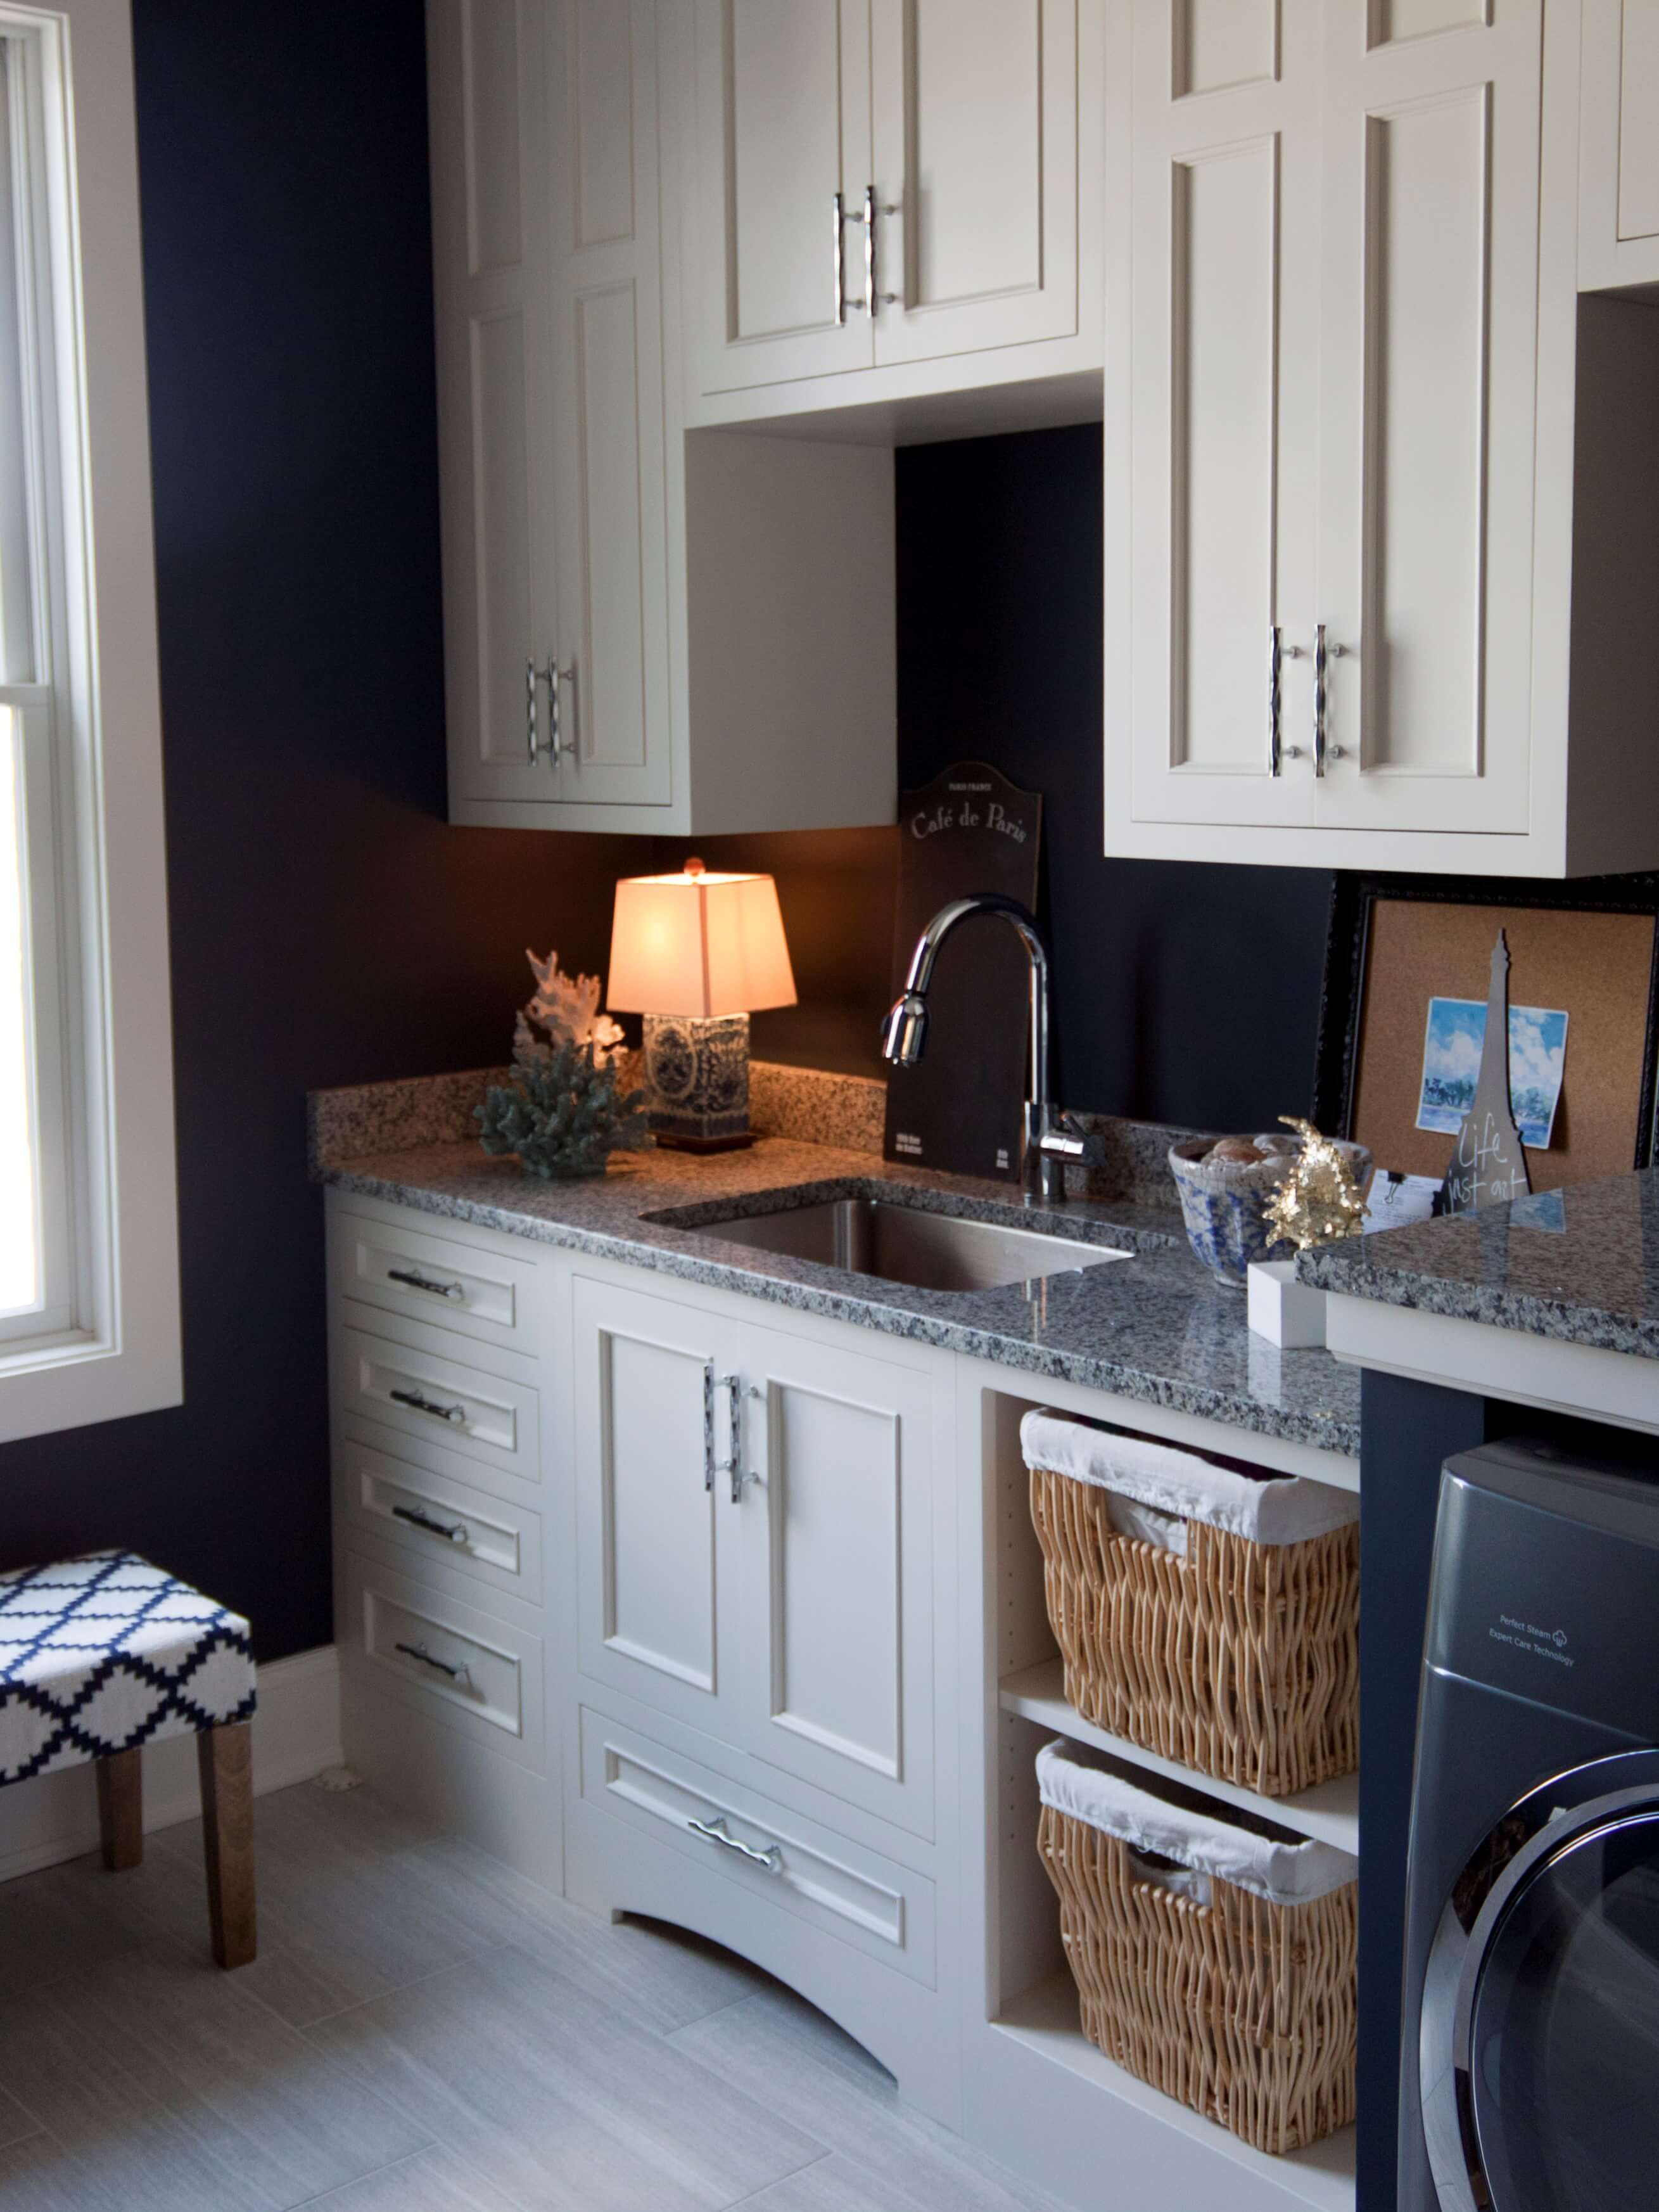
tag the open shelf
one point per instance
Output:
(1044, 2020)
(1329, 1813)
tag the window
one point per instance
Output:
(89, 1268)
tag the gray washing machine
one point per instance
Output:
(1529, 2078)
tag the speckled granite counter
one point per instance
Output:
(1156, 1328)
(1579, 1264)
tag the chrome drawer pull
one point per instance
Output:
(420, 1651)
(454, 1532)
(718, 1833)
(419, 1282)
(429, 1405)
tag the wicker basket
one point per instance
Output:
(1243, 2007)
(1237, 1656)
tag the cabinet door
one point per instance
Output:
(655, 1579)
(1217, 360)
(1429, 347)
(1618, 155)
(601, 168)
(975, 143)
(491, 267)
(783, 126)
(836, 1538)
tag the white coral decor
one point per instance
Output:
(568, 1007)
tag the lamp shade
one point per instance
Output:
(697, 943)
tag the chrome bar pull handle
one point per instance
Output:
(452, 1532)
(1276, 665)
(553, 676)
(1324, 655)
(420, 1651)
(420, 1404)
(417, 1281)
(558, 742)
(1321, 662)
(718, 1833)
(869, 253)
(838, 217)
(733, 1386)
(708, 1424)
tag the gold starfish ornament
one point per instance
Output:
(1319, 1200)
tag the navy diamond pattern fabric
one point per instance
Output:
(102, 1653)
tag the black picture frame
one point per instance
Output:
(1353, 898)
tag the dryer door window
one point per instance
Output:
(1564, 2056)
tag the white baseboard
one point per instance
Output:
(296, 1734)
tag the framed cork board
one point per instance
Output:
(1590, 949)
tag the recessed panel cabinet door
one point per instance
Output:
(975, 138)
(1222, 334)
(1429, 351)
(656, 1585)
(612, 640)
(836, 1536)
(486, 73)
(783, 126)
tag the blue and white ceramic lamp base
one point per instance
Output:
(697, 1081)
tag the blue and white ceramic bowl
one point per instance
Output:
(1224, 1205)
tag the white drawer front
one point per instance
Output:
(437, 1519)
(838, 1886)
(475, 1674)
(448, 1284)
(485, 1416)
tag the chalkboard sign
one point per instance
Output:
(959, 1110)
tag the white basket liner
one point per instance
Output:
(1286, 1509)
(1284, 1874)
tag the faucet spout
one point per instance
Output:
(905, 1031)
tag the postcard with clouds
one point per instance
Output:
(1451, 1061)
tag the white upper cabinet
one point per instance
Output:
(781, 182)
(889, 182)
(547, 263)
(1358, 504)
(1428, 355)
(1225, 363)
(1618, 241)
(974, 146)
(610, 656)
(638, 636)
(491, 269)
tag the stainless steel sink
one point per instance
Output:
(902, 1245)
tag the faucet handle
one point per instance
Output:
(1064, 1139)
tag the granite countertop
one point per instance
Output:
(1157, 1327)
(1580, 1265)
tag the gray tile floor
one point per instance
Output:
(423, 2031)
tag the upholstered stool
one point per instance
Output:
(101, 1655)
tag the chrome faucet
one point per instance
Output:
(1048, 1138)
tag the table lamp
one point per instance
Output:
(697, 953)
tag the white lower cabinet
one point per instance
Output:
(755, 1541)
(713, 1615)
(828, 1882)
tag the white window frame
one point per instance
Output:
(106, 1341)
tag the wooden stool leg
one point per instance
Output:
(121, 1808)
(225, 1758)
